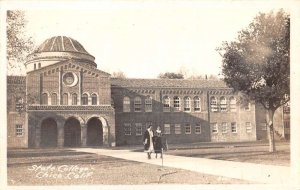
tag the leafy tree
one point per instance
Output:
(118, 74)
(258, 63)
(18, 44)
(170, 75)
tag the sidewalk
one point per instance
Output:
(256, 173)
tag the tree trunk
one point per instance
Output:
(269, 117)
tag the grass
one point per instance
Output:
(66, 167)
(252, 153)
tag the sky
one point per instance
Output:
(145, 38)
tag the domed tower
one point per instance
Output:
(57, 49)
(69, 99)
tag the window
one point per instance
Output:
(187, 104)
(233, 127)
(137, 104)
(84, 99)
(248, 127)
(223, 104)
(148, 104)
(224, 127)
(39, 65)
(214, 127)
(34, 66)
(65, 99)
(248, 107)
(138, 129)
(188, 129)
(126, 104)
(176, 102)
(232, 104)
(166, 103)
(197, 104)
(54, 99)
(263, 126)
(286, 108)
(286, 124)
(127, 129)
(177, 129)
(198, 129)
(94, 99)
(167, 129)
(44, 99)
(19, 104)
(213, 104)
(19, 130)
(74, 99)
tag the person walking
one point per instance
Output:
(148, 141)
(160, 143)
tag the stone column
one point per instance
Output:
(37, 136)
(83, 134)
(105, 136)
(61, 134)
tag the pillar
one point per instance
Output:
(60, 134)
(83, 134)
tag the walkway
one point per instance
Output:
(256, 173)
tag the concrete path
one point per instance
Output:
(256, 173)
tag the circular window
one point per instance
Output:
(70, 79)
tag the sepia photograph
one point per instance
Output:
(149, 94)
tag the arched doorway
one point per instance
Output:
(49, 133)
(72, 133)
(94, 132)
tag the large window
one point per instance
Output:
(248, 127)
(65, 99)
(94, 99)
(19, 130)
(84, 99)
(188, 129)
(177, 129)
(232, 104)
(126, 104)
(167, 129)
(223, 104)
(166, 103)
(197, 104)
(148, 104)
(187, 103)
(214, 127)
(54, 99)
(137, 104)
(198, 129)
(127, 129)
(224, 127)
(74, 99)
(176, 102)
(213, 104)
(138, 129)
(44, 99)
(233, 127)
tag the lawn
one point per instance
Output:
(66, 167)
(256, 152)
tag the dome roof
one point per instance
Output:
(61, 44)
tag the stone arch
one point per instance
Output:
(97, 131)
(72, 132)
(48, 132)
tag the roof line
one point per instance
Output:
(72, 44)
(53, 43)
(62, 43)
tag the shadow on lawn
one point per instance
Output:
(19, 158)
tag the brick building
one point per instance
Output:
(64, 100)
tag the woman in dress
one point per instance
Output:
(148, 141)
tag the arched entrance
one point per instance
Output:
(94, 132)
(49, 133)
(72, 133)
